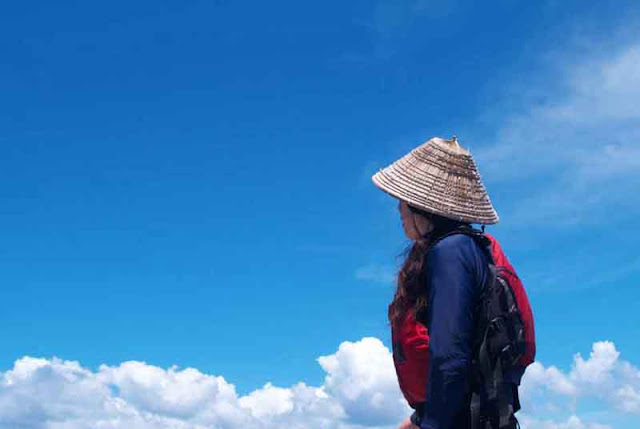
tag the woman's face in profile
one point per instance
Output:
(414, 225)
(408, 221)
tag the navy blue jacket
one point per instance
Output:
(456, 272)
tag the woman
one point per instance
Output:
(440, 283)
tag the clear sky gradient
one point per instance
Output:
(189, 182)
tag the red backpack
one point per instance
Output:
(411, 358)
(410, 338)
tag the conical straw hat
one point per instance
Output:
(439, 177)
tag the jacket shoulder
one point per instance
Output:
(454, 241)
(460, 251)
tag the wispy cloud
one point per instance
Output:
(575, 158)
(376, 273)
(392, 17)
(389, 22)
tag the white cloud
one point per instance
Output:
(629, 399)
(171, 392)
(359, 391)
(362, 377)
(573, 422)
(268, 401)
(597, 370)
(603, 377)
(41, 393)
(550, 378)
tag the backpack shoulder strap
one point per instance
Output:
(482, 240)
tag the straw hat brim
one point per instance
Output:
(439, 177)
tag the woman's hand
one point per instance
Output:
(407, 425)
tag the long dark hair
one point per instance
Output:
(410, 292)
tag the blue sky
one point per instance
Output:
(188, 183)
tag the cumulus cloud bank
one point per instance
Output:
(359, 391)
(603, 378)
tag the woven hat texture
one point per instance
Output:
(439, 177)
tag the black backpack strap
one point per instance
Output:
(476, 234)
(476, 419)
(498, 414)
